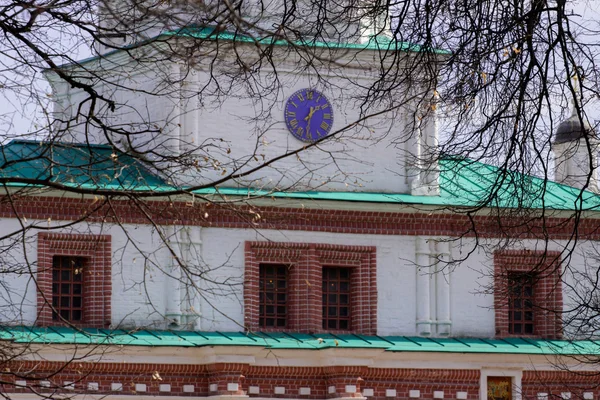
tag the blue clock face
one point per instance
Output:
(308, 115)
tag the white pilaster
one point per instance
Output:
(173, 295)
(423, 287)
(442, 277)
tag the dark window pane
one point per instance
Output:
(67, 287)
(336, 312)
(517, 303)
(273, 283)
(521, 302)
(517, 316)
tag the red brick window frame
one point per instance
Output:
(544, 270)
(95, 250)
(305, 262)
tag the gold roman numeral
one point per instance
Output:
(309, 95)
(324, 106)
(324, 125)
(294, 104)
(299, 131)
(294, 123)
(327, 116)
(300, 97)
(291, 114)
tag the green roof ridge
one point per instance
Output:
(377, 42)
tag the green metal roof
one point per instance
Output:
(75, 165)
(63, 335)
(463, 182)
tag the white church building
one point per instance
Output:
(347, 269)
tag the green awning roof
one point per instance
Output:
(63, 335)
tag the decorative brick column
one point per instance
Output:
(305, 262)
(96, 249)
(548, 298)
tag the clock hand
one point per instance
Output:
(310, 113)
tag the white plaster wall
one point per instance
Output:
(140, 287)
(239, 130)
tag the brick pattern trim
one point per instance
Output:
(324, 382)
(284, 218)
(306, 261)
(548, 300)
(96, 249)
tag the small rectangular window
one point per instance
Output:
(520, 303)
(67, 288)
(336, 298)
(273, 296)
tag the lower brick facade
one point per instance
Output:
(233, 379)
